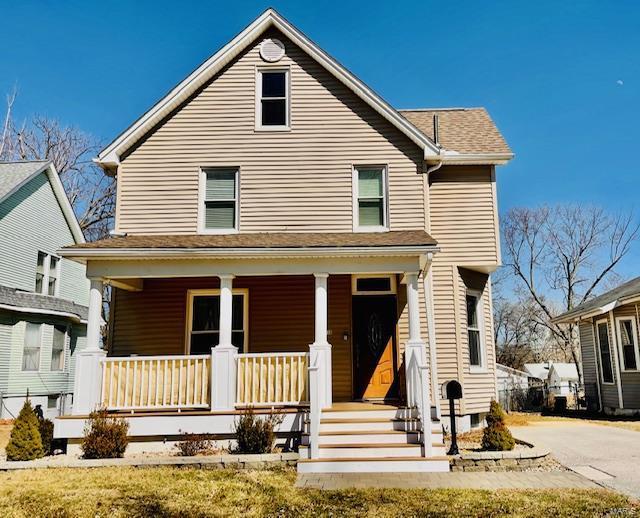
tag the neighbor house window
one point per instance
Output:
(31, 351)
(370, 190)
(220, 204)
(47, 273)
(273, 99)
(58, 347)
(627, 337)
(474, 329)
(204, 322)
(605, 351)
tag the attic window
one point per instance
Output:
(273, 99)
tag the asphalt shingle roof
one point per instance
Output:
(24, 299)
(464, 130)
(14, 174)
(628, 289)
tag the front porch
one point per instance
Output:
(188, 351)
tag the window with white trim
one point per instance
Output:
(204, 323)
(474, 330)
(606, 366)
(273, 99)
(47, 274)
(58, 347)
(31, 350)
(220, 200)
(628, 340)
(370, 193)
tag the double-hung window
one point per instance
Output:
(204, 323)
(628, 340)
(31, 350)
(474, 330)
(47, 274)
(370, 193)
(220, 201)
(58, 348)
(605, 351)
(273, 99)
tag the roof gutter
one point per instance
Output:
(38, 311)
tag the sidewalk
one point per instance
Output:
(454, 480)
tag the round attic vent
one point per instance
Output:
(271, 50)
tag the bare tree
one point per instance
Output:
(90, 191)
(560, 256)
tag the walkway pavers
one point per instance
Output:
(456, 480)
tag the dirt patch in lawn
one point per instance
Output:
(116, 492)
(5, 432)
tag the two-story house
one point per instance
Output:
(43, 297)
(286, 239)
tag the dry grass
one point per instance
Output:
(115, 492)
(526, 419)
(5, 432)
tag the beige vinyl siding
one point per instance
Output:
(281, 318)
(297, 180)
(589, 366)
(463, 215)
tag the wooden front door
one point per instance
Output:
(374, 338)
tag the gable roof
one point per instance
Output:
(604, 303)
(537, 370)
(109, 157)
(565, 371)
(510, 370)
(13, 175)
(461, 131)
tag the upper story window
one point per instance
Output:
(474, 330)
(31, 350)
(47, 274)
(627, 338)
(605, 351)
(219, 206)
(273, 99)
(370, 198)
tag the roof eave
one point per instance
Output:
(109, 158)
(453, 158)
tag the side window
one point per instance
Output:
(273, 99)
(474, 330)
(371, 202)
(628, 340)
(58, 348)
(31, 350)
(220, 210)
(605, 352)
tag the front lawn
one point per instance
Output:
(5, 432)
(526, 419)
(167, 491)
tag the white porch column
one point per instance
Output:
(320, 349)
(415, 349)
(223, 356)
(87, 384)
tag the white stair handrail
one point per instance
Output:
(314, 411)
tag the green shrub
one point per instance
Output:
(25, 442)
(46, 435)
(194, 444)
(496, 436)
(105, 437)
(255, 434)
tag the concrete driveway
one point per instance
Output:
(610, 456)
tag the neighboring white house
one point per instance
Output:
(538, 371)
(563, 379)
(509, 379)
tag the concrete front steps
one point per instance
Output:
(372, 439)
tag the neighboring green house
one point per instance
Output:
(43, 298)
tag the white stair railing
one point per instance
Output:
(418, 396)
(314, 410)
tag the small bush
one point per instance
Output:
(256, 434)
(496, 436)
(105, 437)
(25, 442)
(194, 444)
(46, 435)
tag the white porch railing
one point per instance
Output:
(268, 379)
(156, 382)
(418, 386)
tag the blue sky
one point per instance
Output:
(561, 79)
